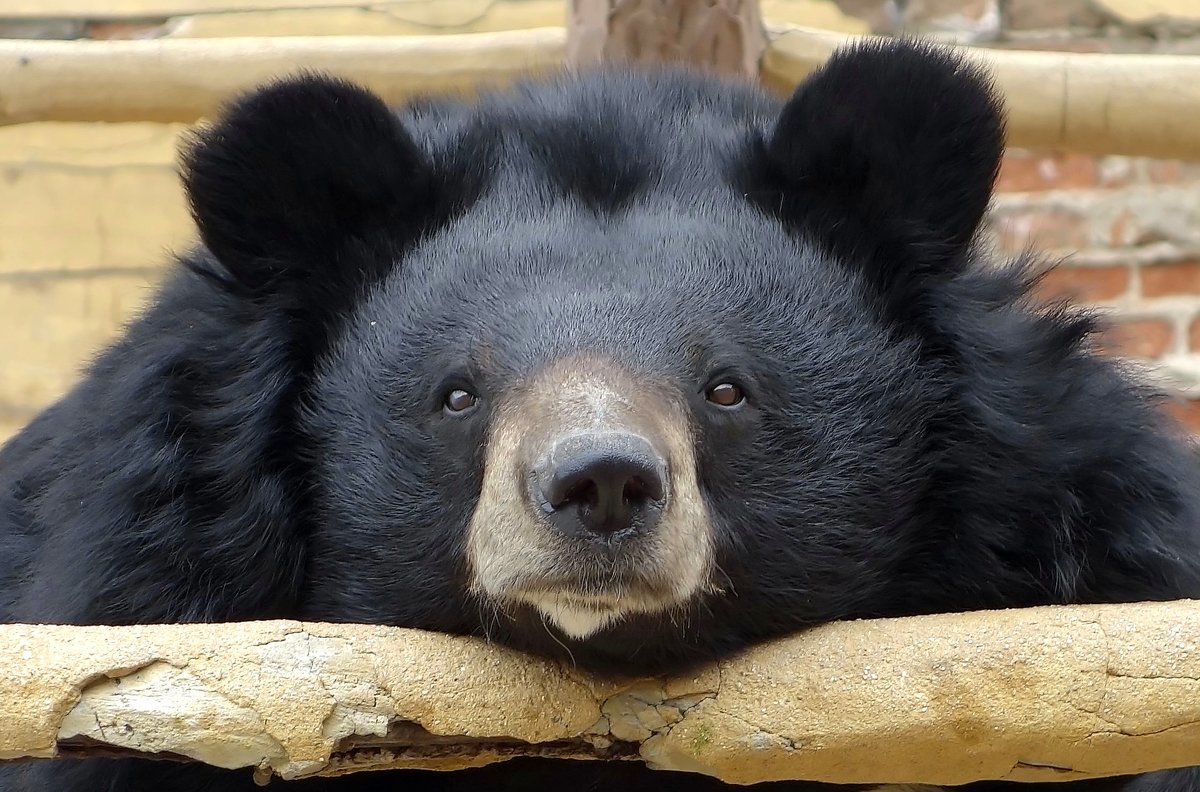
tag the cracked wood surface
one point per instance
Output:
(1037, 694)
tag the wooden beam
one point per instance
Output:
(135, 9)
(1043, 694)
(186, 79)
(1142, 105)
(1116, 104)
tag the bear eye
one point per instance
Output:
(459, 400)
(725, 394)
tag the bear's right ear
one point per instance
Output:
(291, 172)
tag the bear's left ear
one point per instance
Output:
(289, 173)
(888, 153)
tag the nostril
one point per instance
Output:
(583, 491)
(641, 488)
(604, 480)
(602, 484)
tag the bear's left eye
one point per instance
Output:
(726, 394)
(459, 400)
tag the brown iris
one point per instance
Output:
(459, 400)
(726, 394)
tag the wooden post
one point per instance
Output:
(725, 36)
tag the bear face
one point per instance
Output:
(629, 369)
(575, 352)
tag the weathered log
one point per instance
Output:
(141, 10)
(1036, 694)
(1141, 105)
(1120, 104)
(187, 79)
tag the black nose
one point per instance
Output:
(605, 485)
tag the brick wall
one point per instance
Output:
(1126, 233)
(1126, 230)
(88, 210)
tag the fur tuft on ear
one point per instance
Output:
(291, 172)
(888, 154)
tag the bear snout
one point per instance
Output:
(590, 510)
(602, 487)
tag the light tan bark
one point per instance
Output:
(185, 79)
(1037, 694)
(143, 9)
(1118, 104)
(1141, 105)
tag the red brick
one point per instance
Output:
(1187, 412)
(1164, 171)
(1139, 338)
(1165, 280)
(1125, 230)
(1130, 230)
(1194, 335)
(1172, 171)
(1115, 171)
(1069, 43)
(932, 15)
(880, 15)
(1085, 284)
(1041, 15)
(1032, 172)
(109, 31)
(1048, 229)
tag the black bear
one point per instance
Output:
(635, 368)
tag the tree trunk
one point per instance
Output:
(724, 36)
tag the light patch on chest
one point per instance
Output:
(581, 616)
(577, 622)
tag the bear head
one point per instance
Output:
(639, 367)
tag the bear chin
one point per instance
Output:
(581, 616)
(578, 619)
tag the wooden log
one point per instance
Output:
(1118, 104)
(1142, 105)
(1057, 693)
(186, 79)
(147, 9)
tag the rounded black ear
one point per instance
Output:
(889, 153)
(290, 172)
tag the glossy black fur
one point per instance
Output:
(267, 439)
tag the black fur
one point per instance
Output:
(266, 440)
(886, 204)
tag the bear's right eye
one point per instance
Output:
(459, 400)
